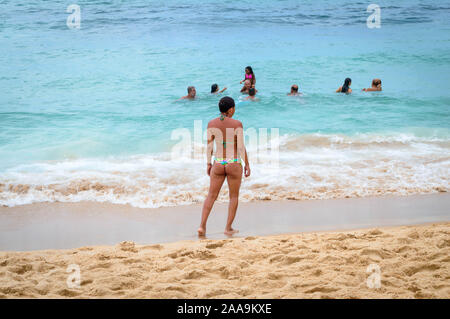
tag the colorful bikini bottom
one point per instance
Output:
(225, 161)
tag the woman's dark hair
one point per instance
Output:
(225, 104)
(250, 69)
(346, 84)
(252, 92)
(214, 88)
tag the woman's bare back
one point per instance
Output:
(225, 133)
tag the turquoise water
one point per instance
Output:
(89, 113)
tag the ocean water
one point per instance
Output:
(90, 113)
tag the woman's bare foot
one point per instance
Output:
(230, 232)
(201, 232)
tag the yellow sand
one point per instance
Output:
(414, 262)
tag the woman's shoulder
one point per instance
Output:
(236, 123)
(213, 122)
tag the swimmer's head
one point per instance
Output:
(252, 92)
(346, 85)
(191, 91)
(214, 88)
(226, 104)
(249, 70)
(248, 84)
(294, 88)
(376, 82)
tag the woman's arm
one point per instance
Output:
(372, 89)
(247, 165)
(242, 152)
(339, 90)
(209, 148)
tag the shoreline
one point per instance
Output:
(43, 226)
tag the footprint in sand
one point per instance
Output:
(67, 293)
(195, 274)
(175, 288)
(274, 276)
(20, 269)
(204, 254)
(215, 244)
(276, 258)
(410, 271)
(100, 265)
(402, 249)
(86, 282)
(215, 293)
(288, 260)
(128, 246)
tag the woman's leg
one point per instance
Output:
(234, 177)
(217, 177)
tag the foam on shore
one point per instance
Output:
(313, 166)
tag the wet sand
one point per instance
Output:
(71, 225)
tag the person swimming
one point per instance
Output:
(191, 93)
(247, 86)
(346, 87)
(215, 89)
(249, 75)
(294, 90)
(228, 135)
(252, 95)
(376, 86)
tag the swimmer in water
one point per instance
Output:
(251, 95)
(294, 90)
(228, 136)
(346, 87)
(247, 86)
(376, 86)
(191, 93)
(249, 75)
(215, 89)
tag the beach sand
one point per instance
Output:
(413, 261)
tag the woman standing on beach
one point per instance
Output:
(230, 151)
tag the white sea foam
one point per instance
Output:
(311, 166)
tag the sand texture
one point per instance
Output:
(414, 262)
